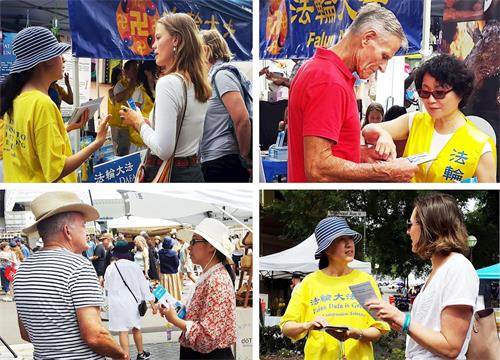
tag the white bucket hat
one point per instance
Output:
(34, 45)
(57, 202)
(217, 234)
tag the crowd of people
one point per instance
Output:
(74, 271)
(193, 110)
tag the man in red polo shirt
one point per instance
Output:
(324, 126)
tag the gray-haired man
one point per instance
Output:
(323, 121)
(56, 290)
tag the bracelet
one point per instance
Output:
(360, 335)
(406, 323)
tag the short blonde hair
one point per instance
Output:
(217, 48)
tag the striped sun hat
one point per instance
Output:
(330, 229)
(34, 45)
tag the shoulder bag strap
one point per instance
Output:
(126, 283)
(182, 113)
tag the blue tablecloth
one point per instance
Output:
(275, 170)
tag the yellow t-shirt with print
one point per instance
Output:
(36, 143)
(331, 298)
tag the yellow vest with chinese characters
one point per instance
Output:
(457, 160)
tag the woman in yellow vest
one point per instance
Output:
(36, 145)
(324, 298)
(461, 150)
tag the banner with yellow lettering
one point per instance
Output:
(294, 28)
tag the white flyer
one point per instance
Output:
(92, 105)
(420, 158)
(364, 292)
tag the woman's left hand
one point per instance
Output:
(388, 313)
(131, 117)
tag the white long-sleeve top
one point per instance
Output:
(169, 101)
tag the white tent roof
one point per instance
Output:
(299, 258)
(137, 222)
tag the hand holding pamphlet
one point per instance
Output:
(92, 107)
(364, 292)
(167, 300)
(420, 158)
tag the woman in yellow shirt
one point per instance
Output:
(36, 143)
(461, 151)
(324, 298)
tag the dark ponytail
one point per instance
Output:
(323, 261)
(222, 258)
(11, 87)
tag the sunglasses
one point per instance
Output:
(437, 94)
(410, 223)
(192, 242)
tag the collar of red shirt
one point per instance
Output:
(323, 53)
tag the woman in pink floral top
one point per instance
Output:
(209, 328)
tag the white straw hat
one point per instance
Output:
(217, 234)
(57, 202)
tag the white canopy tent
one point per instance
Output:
(137, 224)
(299, 258)
(230, 206)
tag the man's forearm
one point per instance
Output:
(104, 344)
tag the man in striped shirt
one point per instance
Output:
(56, 290)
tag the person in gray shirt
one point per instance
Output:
(226, 142)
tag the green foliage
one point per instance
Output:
(272, 342)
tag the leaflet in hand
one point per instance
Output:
(420, 158)
(167, 300)
(364, 292)
(91, 105)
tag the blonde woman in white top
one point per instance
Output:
(178, 50)
(141, 255)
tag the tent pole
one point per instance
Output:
(232, 217)
(426, 30)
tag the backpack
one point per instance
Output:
(246, 85)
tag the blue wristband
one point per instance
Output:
(406, 323)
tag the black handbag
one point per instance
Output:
(143, 306)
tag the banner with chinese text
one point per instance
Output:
(124, 29)
(294, 28)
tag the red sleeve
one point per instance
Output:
(324, 110)
(218, 322)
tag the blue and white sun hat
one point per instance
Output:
(34, 45)
(330, 229)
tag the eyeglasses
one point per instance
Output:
(192, 242)
(437, 94)
(410, 223)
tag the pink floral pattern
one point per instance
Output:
(213, 313)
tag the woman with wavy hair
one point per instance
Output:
(141, 255)
(178, 51)
(460, 149)
(439, 326)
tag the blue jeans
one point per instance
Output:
(5, 282)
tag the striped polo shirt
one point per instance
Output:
(48, 288)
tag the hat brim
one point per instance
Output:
(215, 244)
(89, 213)
(29, 63)
(348, 232)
